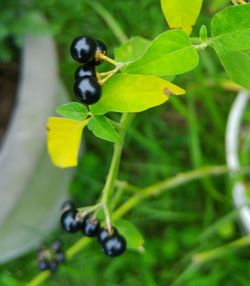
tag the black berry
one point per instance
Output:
(86, 70)
(114, 245)
(43, 265)
(53, 266)
(103, 234)
(100, 48)
(60, 257)
(88, 90)
(90, 227)
(68, 205)
(83, 49)
(69, 222)
(57, 245)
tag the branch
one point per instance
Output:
(150, 191)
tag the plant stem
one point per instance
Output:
(168, 184)
(110, 74)
(150, 191)
(199, 44)
(109, 19)
(205, 256)
(103, 74)
(82, 212)
(39, 279)
(126, 119)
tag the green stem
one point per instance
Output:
(110, 20)
(199, 44)
(126, 119)
(150, 191)
(82, 212)
(39, 279)
(205, 256)
(202, 257)
(168, 184)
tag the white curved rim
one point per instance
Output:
(232, 144)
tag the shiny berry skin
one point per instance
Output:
(88, 90)
(69, 222)
(68, 205)
(57, 245)
(83, 49)
(114, 245)
(85, 70)
(101, 48)
(90, 227)
(103, 234)
(43, 265)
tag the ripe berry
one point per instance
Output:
(68, 205)
(103, 234)
(57, 245)
(100, 48)
(90, 227)
(86, 70)
(53, 266)
(114, 245)
(88, 90)
(69, 222)
(43, 265)
(83, 49)
(60, 257)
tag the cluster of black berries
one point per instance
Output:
(113, 244)
(50, 258)
(85, 51)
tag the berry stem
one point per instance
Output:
(105, 58)
(103, 74)
(109, 74)
(102, 81)
(86, 210)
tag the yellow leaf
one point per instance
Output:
(181, 14)
(64, 138)
(134, 93)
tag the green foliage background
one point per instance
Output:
(186, 133)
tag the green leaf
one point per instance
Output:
(231, 29)
(132, 235)
(181, 14)
(170, 53)
(102, 127)
(231, 41)
(132, 49)
(134, 93)
(73, 110)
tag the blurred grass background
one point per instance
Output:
(186, 133)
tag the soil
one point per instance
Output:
(8, 87)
